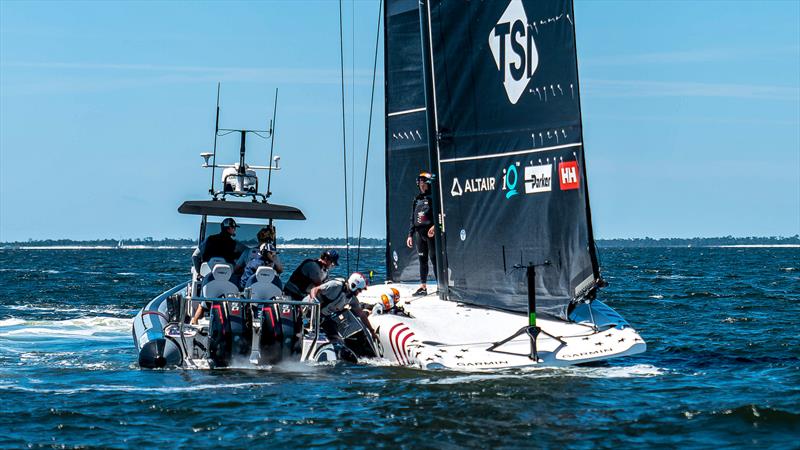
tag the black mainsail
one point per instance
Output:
(509, 150)
(406, 133)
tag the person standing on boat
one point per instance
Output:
(311, 273)
(421, 230)
(221, 245)
(336, 295)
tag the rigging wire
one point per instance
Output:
(369, 131)
(353, 148)
(344, 140)
(216, 133)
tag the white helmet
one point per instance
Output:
(391, 299)
(356, 281)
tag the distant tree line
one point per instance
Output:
(323, 241)
(699, 242)
(147, 241)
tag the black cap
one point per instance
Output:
(332, 256)
(227, 223)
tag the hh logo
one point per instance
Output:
(568, 175)
(514, 51)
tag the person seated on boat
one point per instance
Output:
(390, 304)
(334, 297)
(265, 235)
(421, 230)
(310, 273)
(221, 245)
(266, 256)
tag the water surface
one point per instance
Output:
(722, 367)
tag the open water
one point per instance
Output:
(722, 368)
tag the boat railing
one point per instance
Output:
(314, 305)
(258, 301)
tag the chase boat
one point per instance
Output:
(256, 327)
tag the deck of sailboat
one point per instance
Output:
(451, 335)
(473, 325)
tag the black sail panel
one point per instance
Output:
(511, 158)
(406, 134)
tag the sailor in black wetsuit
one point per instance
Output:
(421, 230)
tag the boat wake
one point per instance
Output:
(86, 328)
(143, 389)
(634, 371)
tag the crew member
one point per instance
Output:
(421, 230)
(265, 235)
(334, 296)
(389, 304)
(310, 273)
(267, 256)
(221, 245)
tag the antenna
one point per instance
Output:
(216, 131)
(272, 139)
(241, 153)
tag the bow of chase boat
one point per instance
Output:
(429, 333)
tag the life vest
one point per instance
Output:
(423, 211)
(300, 280)
(325, 301)
(338, 302)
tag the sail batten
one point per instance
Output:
(511, 153)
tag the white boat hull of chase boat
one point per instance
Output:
(437, 334)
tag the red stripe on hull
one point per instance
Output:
(392, 341)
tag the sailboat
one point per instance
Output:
(485, 95)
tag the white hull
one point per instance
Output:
(440, 334)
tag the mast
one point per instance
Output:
(433, 149)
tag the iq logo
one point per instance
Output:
(568, 175)
(510, 179)
(514, 51)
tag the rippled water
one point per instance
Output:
(722, 367)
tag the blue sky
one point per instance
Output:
(691, 113)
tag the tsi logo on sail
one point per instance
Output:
(514, 51)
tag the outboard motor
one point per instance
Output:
(270, 336)
(219, 335)
(241, 321)
(268, 327)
